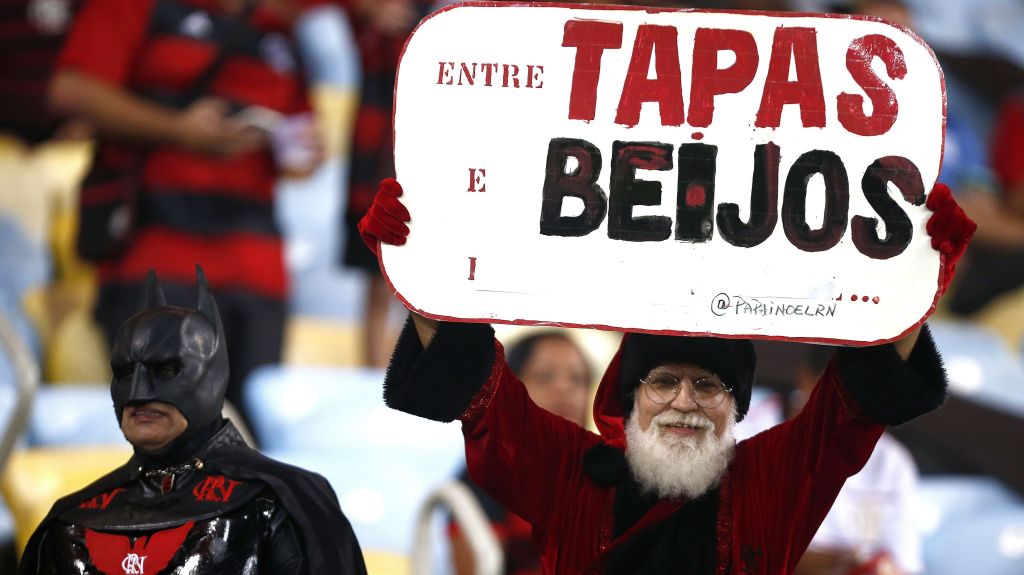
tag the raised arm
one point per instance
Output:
(116, 112)
(805, 461)
(451, 370)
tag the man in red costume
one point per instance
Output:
(664, 488)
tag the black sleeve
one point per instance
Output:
(439, 382)
(892, 391)
(284, 554)
(44, 560)
(60, 547)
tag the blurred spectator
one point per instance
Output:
(34, 144)
(209, 161)
(870, 529)
(381, 28)
(995, 264)
(1008, 153)
(558, 379)
(33, 33)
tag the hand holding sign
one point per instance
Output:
(385, 221)
(735, 174)
(950, 229)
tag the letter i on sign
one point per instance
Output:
(472, 269)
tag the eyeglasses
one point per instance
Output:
(707, 392)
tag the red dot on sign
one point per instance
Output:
(696, 195)
(697, 135)
(853, 298)
(864, 298)
(876, 299)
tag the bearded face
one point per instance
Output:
(680, 448)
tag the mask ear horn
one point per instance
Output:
(207, 306)
(154, 293)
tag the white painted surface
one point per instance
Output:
(522, 276)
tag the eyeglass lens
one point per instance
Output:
(705, 391)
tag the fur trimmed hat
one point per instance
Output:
(733, 360)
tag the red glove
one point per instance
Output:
(950, 230)
(385, 220)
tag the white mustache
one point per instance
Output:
(672, 418)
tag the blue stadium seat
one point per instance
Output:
(311, 408)
(69, 415)
(26, 263)
(970, 524)
(26, 267)
(8, 389)
(946, 499)
(990, 543)
(380, 492)
(8, 398)
(382, 463)
(980, 365)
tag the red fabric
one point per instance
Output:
(385, 220)
(28, 52)
(111, 41)
(240, 261)
(106, 37)
(776, 492)
(116, 554)
(372, 158)
(950, 230)
(1008, 145)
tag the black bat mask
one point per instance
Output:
(172, 354)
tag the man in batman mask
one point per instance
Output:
(193, 498)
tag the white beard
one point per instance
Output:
(672, 466)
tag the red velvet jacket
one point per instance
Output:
(777, 490)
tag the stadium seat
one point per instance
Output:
(980, 365)
(74, 414)
(35, 478)
(970, 524)
(382, 463)
(26, 264)
(383, 563)
(310, 408)
(379, 492)
(990, 543)
(72, 438)
(943, 500)
(8, 399)
(8, 390)
(315, 340)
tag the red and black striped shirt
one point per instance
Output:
(31, 34)
(214, 211)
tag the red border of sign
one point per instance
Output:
(592, 7)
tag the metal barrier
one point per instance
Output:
(488, 557)
(26, 379)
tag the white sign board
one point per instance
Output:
(673, 171)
